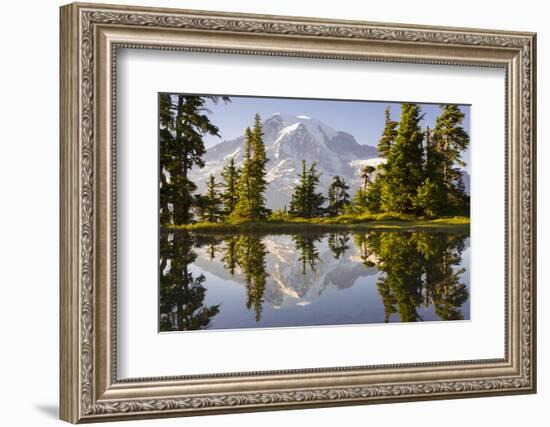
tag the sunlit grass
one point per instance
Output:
(385, 221)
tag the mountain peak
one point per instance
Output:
(317, 128)
(288, 140)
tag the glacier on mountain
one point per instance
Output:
(288, 139)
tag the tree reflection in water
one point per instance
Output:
(306, 244)
(338, 244)
(418, 269)
(251, 259)
(181, 294)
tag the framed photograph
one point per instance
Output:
(267, 212)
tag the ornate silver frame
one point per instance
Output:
(90, 36)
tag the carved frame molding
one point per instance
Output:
(90, 36)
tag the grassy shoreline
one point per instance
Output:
(321, 224)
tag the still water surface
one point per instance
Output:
(257, 280)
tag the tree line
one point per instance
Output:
(184, 123)
(241, 196)
(421, 174)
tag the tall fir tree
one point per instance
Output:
(450, 139)
(338, 196)
(243, 210)
(230, 195)
(403, 172)
(298, 204)
(209, 205)
(259, 161)
(183, 123)
(388, 134)
(252, 183)
(306, 202)
(432, 193)
(314, 199)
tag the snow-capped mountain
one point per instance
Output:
(288, 139)
(287, 284)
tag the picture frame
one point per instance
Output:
(91, 36)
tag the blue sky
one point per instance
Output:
(362, 119)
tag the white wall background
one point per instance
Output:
(29, 170)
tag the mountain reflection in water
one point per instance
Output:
(253, 280)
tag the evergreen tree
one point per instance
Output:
(403, 170)
(252, 184)
(230, 195)
(338, 197)
(209, 204)
(167, 159)
(314, 199)
(373, 195)
(429, 159)
(366, 174)
(183, 123)
(259, 161)
(243, 209)
(388, 135)
(368, 197)
(360, 201)
(306, 202)
(450, 139)
(298, 203)
(429, 198)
